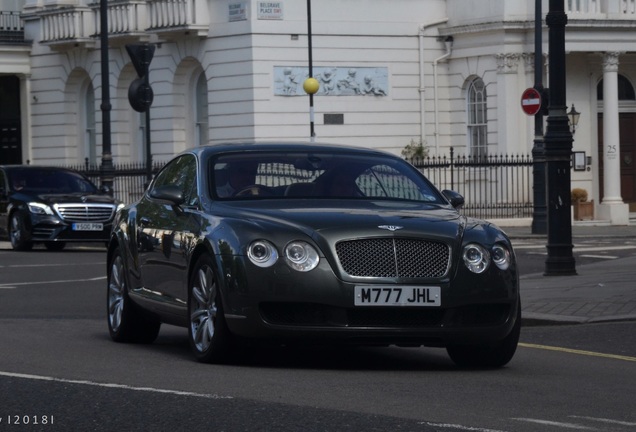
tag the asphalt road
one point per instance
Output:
(58, 366)
(532, 252)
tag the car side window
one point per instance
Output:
(181, 172)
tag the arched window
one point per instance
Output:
(477, 120)
(625, 89)
(201, 111)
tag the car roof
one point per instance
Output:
(35, 167)
(243, 146)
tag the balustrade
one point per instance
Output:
(599, 9)
(71, 23)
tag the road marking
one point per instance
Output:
(604, 420)
(580, 352)
(455, 426)
(599, 256)
(112, 385)
(14, 285)
(553, 423)
(47, 265)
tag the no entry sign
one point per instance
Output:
(531, 101)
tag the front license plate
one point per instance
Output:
(397, 296)
(88, 226)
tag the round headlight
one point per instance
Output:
(262, 253)
(301, 256)
(476, 258)
(501, 256)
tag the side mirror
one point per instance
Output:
(455, 199)
(169, 193)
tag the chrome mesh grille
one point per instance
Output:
(394, 257)
(85, 212)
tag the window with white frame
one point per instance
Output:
(90, 145)
(201, 110)
(477, 119)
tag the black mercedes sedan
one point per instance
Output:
(53, 206)
(310, 243)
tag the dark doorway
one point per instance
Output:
(627, 130)
(10, 124)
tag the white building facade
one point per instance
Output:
(446, 73)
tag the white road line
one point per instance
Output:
(112, 385)
(48, 265)
(601, 248)
(604, 420)
(599, 256)
(556, 424)
(13, 285)
(455, 426)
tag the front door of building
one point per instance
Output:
(627, 130)
(10, 135)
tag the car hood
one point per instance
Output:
(360, 218)
(71, 198)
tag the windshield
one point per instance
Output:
(38, 181)
(318, 175)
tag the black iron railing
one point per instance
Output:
(130, 179)
(494, 187)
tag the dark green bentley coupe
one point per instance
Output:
(310, 243)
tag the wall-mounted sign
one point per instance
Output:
(269, 10)
(237, 11)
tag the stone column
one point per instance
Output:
(509, 121)
(612, 208)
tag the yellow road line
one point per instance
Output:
(580, 352)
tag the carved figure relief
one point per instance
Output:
(288, 81)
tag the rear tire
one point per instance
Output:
(126, 322)
(18, 233)
(208, 334)
(489, 356)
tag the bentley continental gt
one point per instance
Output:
(310, 243)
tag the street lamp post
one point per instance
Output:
(311, 84)
(106, 169)
(558, 151)
(539, 215)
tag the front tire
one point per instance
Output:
(18, 233)
(488, 356)
(126, 323)
(209, 336)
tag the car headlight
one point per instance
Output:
(262, 253)
(119, 207)
(301, 256)
(39, 208)
(476, 258)
(500, 256)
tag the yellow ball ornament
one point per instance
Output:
(311, 86)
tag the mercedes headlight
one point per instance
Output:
(40, 209)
